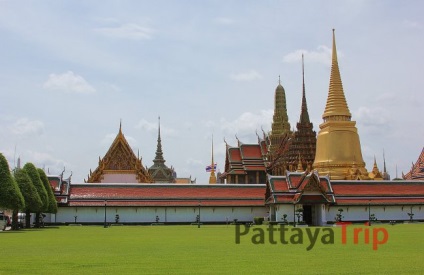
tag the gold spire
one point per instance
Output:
(338, 150)
(336, 107)
(212, 178)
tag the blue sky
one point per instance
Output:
(71, 70)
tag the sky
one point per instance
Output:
(70, 71)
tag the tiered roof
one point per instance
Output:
(311, 188)
(303, 143)
(120, 159)
(417, 169)
(299, 188)
(159, 171)
(246, 157)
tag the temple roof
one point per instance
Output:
(245, 157)
(417, 169)
(290, 189)
(336, 101)
(166, 195)
(119, 159)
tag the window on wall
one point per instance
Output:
(251, 177)
(262, 177)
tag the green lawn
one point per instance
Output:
(210, 249)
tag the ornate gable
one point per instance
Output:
(120, 159)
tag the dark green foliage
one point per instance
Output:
(258, 220)
(10, 194)
(32, 199)
(38, 184)
(52, 199)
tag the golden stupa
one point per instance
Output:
(338, 150)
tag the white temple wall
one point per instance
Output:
(165, 214)
(386, 213)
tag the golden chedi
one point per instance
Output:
(338, 149)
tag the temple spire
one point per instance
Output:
(384, 162)
(159, 154)
(336, 107)
(304, 115)
(338, 149)
(212, 178)
(280, 121)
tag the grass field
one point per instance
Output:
(210, 249)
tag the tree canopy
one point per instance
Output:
(38, 184)
(29, 192)
(10, 194)
(52, 208)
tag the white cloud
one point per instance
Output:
(224, 21)
(246, 125)
(68, 82)
(42, 160)
(321, 55)
(25, 126)
(127, 31)
(411, 24)
(373, 120)
(246, 76)
(152, 127)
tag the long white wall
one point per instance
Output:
(325, 213)
(387, 213)
(148, 214)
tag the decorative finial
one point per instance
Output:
(384, 160)
(279, 80)
(120, 125)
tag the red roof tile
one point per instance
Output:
(165, 192)
(251, 151)
(170, 203)
(234, 154)
(379, 201)
(380, 188)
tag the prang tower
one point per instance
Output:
(338, 151)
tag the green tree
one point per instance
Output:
(32, 199)
(10, 194)
(38, 184)
(52, 199)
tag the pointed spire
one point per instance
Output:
(336, 107)
(384, 161)
(120, 126)
(159, 153)
(304, 115)
(212, 178)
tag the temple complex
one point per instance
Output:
(120, 165)
(279, 186)
(417, 169)
(159, 171)
(338, 149)
(301, 152)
